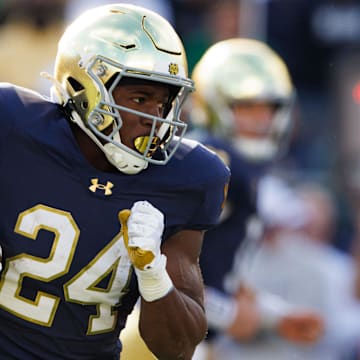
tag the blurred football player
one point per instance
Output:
(243, 110)
(103, 200)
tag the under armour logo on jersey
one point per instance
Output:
(96, 186)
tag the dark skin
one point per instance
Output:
(173, 325)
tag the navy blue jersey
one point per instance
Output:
(221, 242)
(67, 285)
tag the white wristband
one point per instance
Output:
(220, 309)
(271, 308)
(154, 283)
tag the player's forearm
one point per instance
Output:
(173, 326)
(172, 322)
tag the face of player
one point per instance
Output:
(252, 119)
(150, 98)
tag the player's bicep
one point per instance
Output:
(183, 250)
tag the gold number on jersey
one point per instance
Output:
(81, 289)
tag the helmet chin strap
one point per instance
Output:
(122, 160)
(256, 150)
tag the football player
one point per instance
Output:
(243, 110)
(103, 200)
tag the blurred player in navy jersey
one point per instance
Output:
(103, 200)
(242, 109)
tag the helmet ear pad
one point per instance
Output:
(78, 94)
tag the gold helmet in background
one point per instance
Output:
(101, 47)
(239, 71)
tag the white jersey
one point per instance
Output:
(307, 275)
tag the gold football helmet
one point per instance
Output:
(244, 71)
(97, 50)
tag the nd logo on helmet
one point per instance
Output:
(173, 69)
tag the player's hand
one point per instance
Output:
(142, 228)
(301, 327)
(246, 323)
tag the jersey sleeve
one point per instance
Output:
(214, 188)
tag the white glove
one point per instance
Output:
(142, 229)
(145, 228)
